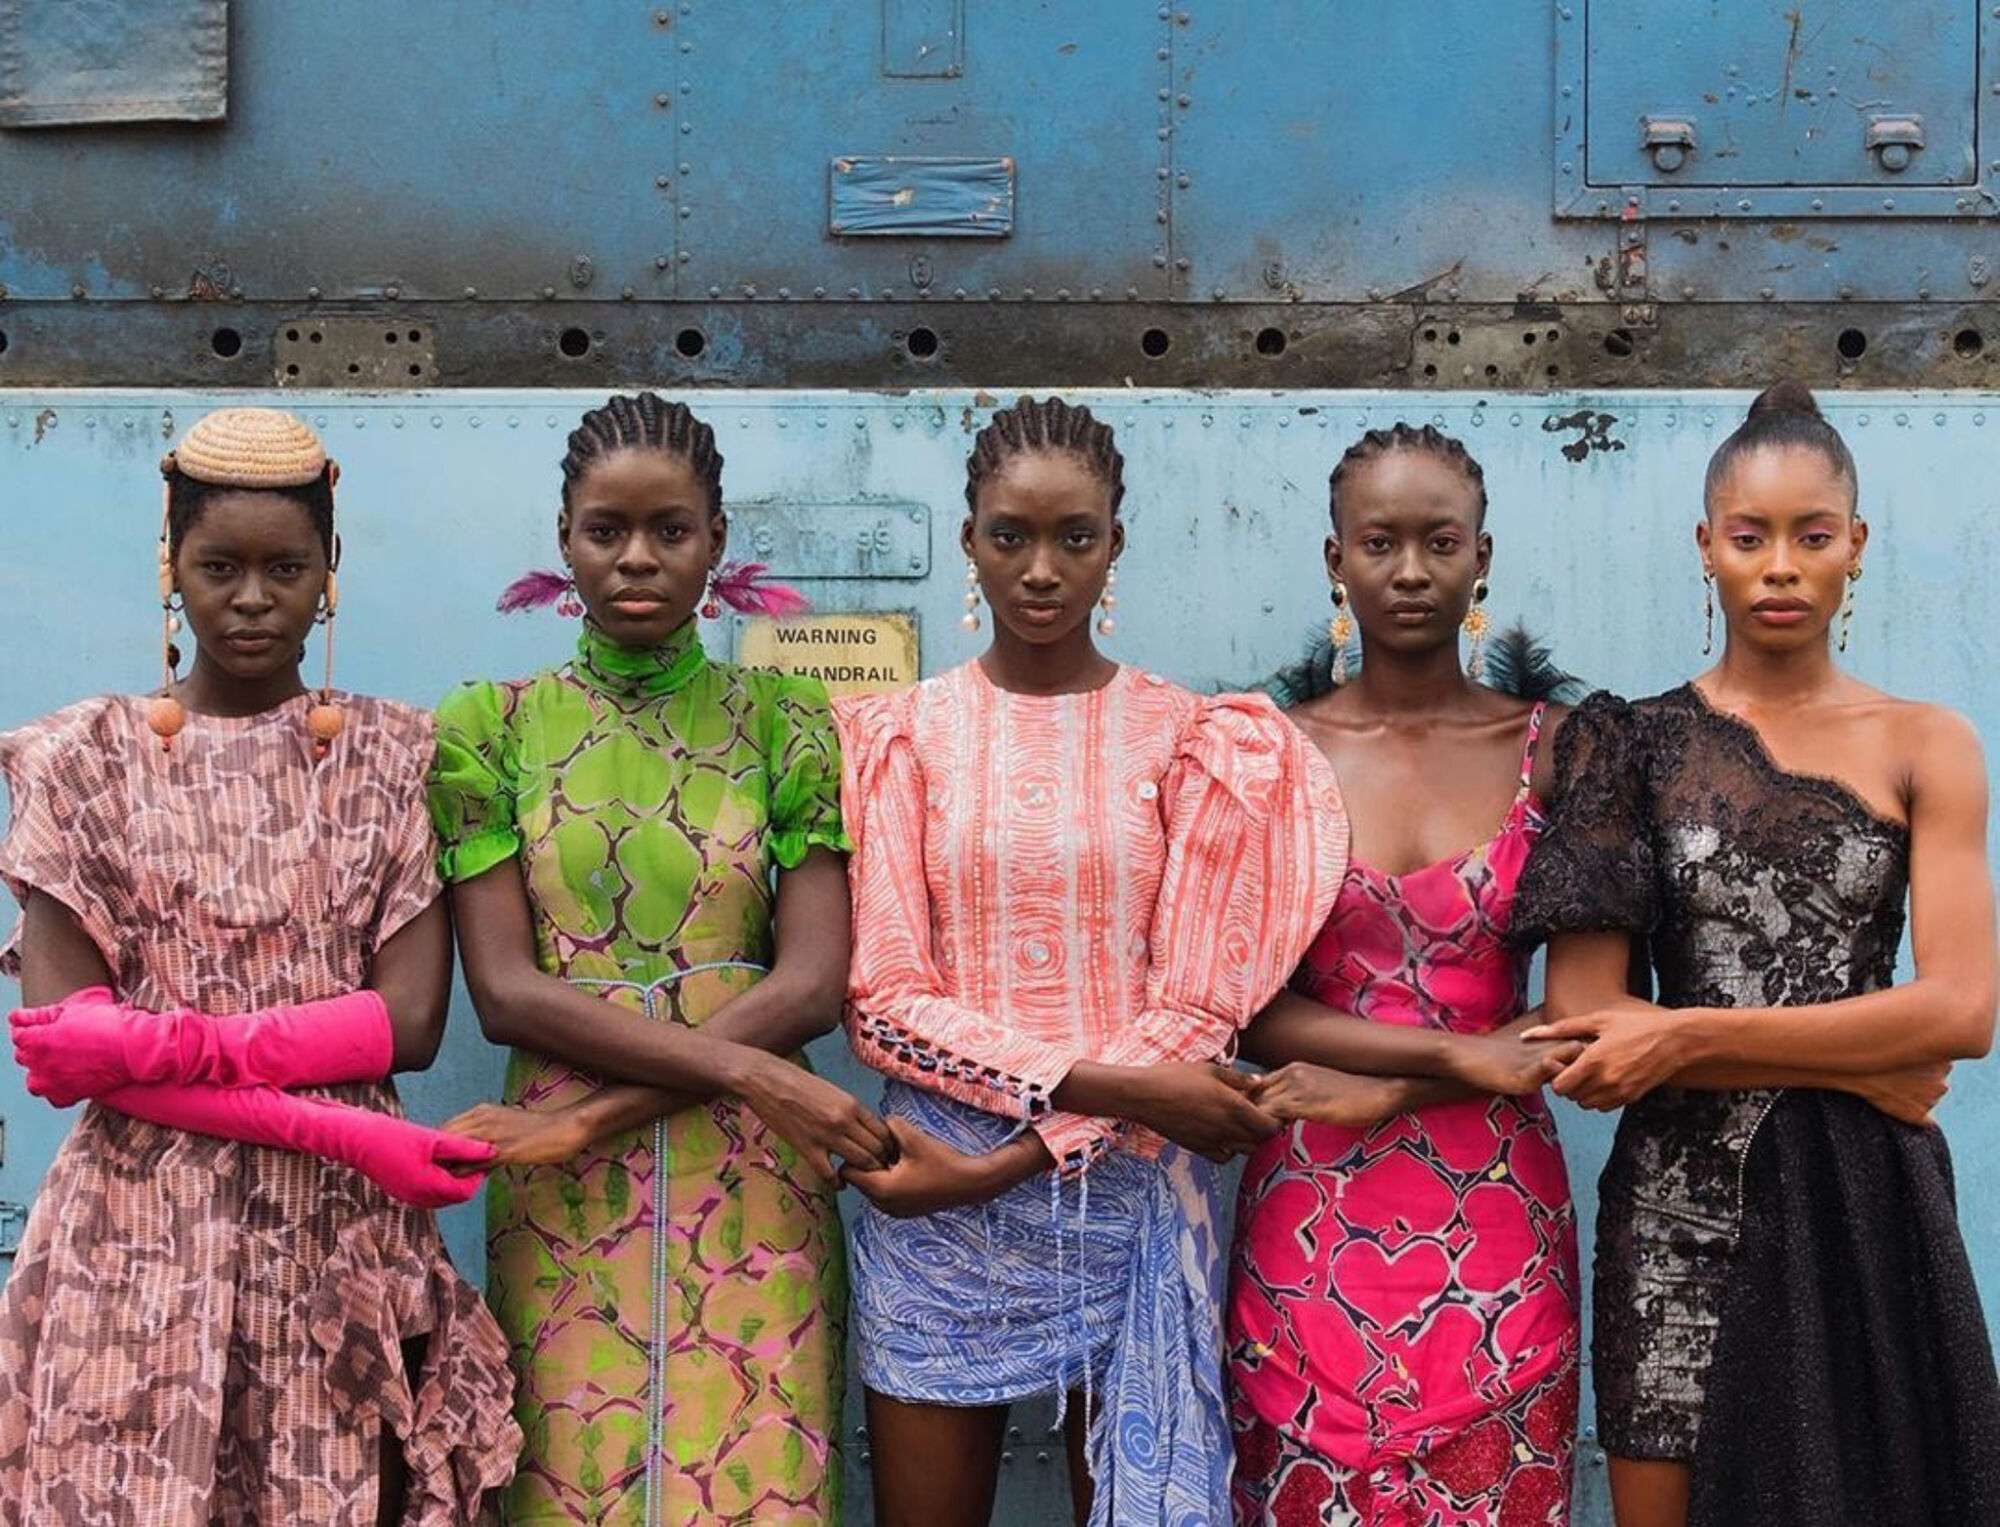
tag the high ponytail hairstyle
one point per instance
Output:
(1784, 416)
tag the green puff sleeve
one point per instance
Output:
(472, 784)
(803, 760)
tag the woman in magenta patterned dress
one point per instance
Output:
(1403, 1314)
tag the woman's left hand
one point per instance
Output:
(927, 1176)
(1630, 1048)
(522, 1136)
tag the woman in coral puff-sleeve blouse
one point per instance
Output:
(1121, 875)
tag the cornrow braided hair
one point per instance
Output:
(1044, 424)
(1403, 437)
(644, 421)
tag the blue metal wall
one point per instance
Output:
(445, 497)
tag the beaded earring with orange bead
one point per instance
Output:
(324, 720)
(166, 715)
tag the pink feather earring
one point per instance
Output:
(742, 586)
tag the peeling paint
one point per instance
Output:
(1593, 432)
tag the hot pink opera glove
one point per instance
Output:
(410, 1162)
(90, 1044)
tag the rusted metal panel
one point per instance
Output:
(910, 197)
(69, 62)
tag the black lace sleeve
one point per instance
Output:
(1592, 871)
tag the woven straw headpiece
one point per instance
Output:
(249, 448)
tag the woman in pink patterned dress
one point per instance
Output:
(1403, 1317)
(228, 1306)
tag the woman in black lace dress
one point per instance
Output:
(1787, 1330)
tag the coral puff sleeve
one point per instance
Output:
(68, 822)
(802, 762)
(472, 783)
(901, 1018)
(1593, 869)
(1256, 850)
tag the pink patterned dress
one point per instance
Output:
(1403, 1309)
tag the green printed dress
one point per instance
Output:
(674, 1297)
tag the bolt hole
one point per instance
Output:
(1968, 343)
(1492, 373)
(391, 337)
(921, 343)
(1431, 335)
(1528, 338)
(3, 341)
(1619, 343)
(292, 369)
(574, 343)
(354, 368)
(315, 336)
(1852, 344)
(1553, 370)
(690, 343)
(1451, 337)
(1271, 341)
(1554, 335)
(1430, 371)
(292, 335)
(1156, 342)
(227, 343)
(416, 335)
(416, 370)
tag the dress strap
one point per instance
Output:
(1528, 751)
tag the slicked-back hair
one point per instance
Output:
(1784, 416)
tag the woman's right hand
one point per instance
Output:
(1910, 1094)
(1504, 1063)
(818, 1119)
(1302, 1091)
(1203, 1107)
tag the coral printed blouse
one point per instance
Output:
(1126, 875)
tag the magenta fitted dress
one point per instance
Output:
(1402, 1321)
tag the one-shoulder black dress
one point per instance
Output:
(1783, 1298)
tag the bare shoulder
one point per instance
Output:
(1940, 743)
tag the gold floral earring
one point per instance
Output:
(1477, 624)
(1340, 631)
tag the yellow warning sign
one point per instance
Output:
(850, 654)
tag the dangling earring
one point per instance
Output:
(1707, 613)
(567, 603)
(1107, 602)
(1339, 631)
(166, 716)
(711, 607)
(1477, 624)
(970, 619)
(324, 721)
(1847, 604)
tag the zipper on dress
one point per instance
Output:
(1743, 1164)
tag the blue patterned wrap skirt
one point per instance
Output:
(1109, 1282)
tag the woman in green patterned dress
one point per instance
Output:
(663, 1248)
